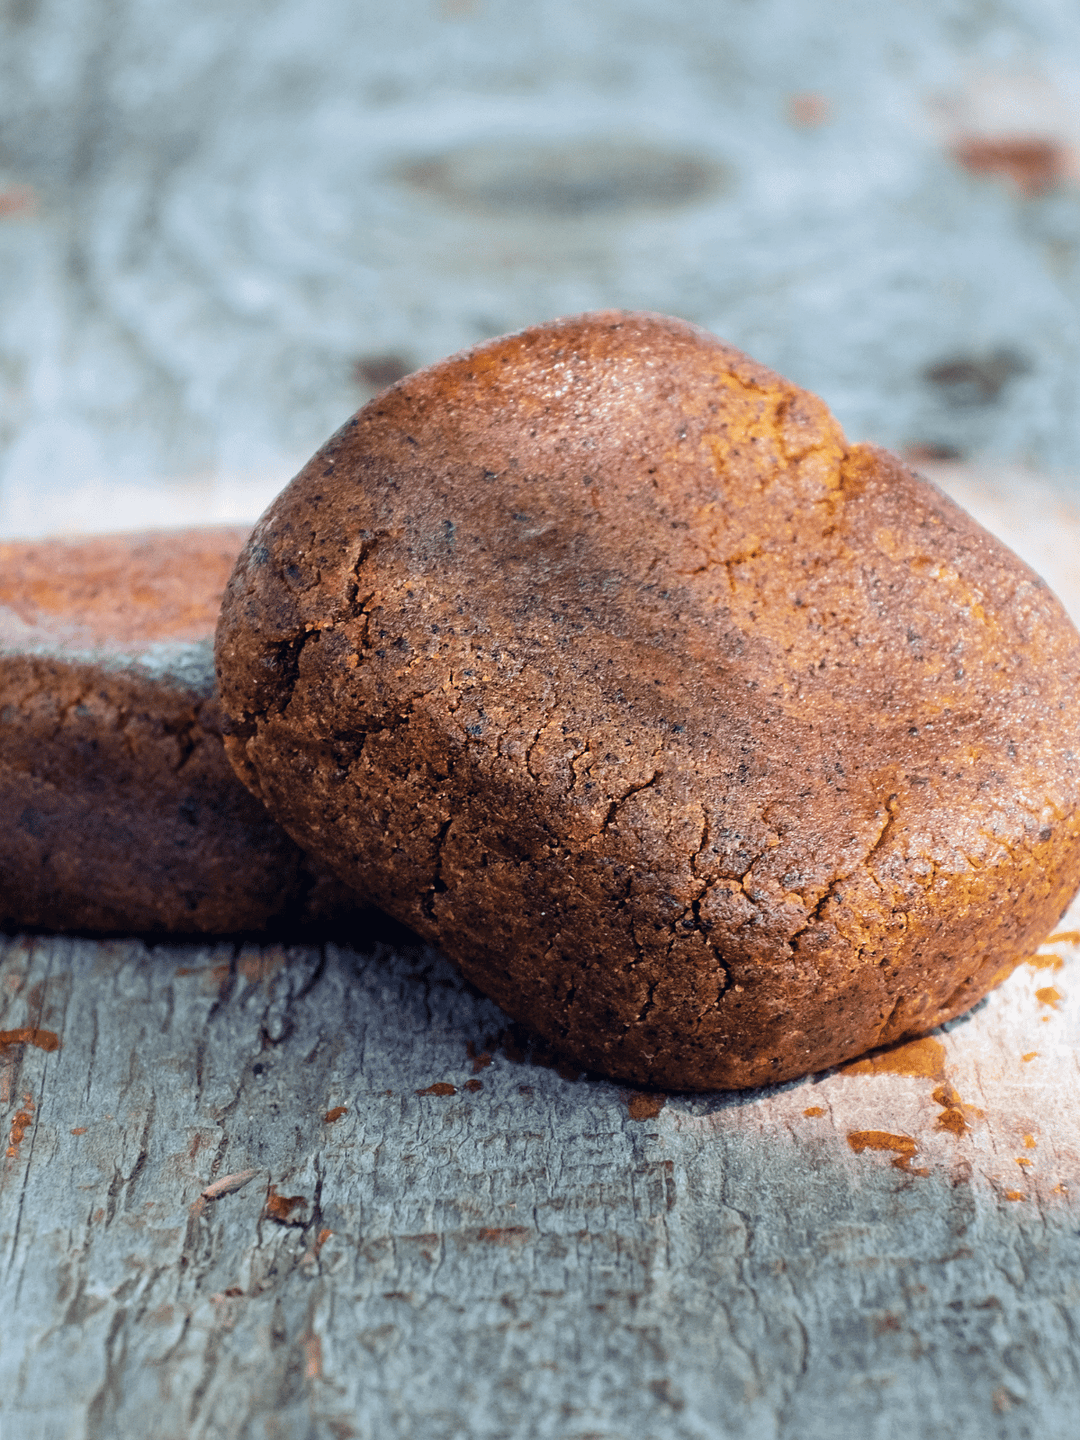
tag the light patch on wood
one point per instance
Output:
(228, 1184)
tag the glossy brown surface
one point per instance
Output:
(714, 748)
(118, 808)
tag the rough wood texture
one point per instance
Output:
(206, 261)
(307, 1192)
(221, 228)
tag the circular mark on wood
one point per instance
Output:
(567, 181)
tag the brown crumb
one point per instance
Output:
(17, 200)
(280, 1207)
(644, 1106)
(813, 1111)
(1045, 962)
(43, 1039)
(335, 1114)
(480, 1059)
(904, 1147)
(19, 1126)
(955, 1114)
(1033, 164)
(952, 1119)
(474, 1085)
(439, 1088)
(922, 1058)
(808, 110)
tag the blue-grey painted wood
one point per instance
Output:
(230, 1210)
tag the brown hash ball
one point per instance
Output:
(715, 749)
(118, 809)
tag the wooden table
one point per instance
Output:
(320, 1191)
(310, 1193)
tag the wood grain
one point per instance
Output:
(202, 248)
(269, 1192)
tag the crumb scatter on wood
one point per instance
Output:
(902, 1147)
(27, 1035)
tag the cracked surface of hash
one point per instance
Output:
(716, 749)
(118, 808)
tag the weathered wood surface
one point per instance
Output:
(207, 237)
(202, 243)
(241, 1199)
